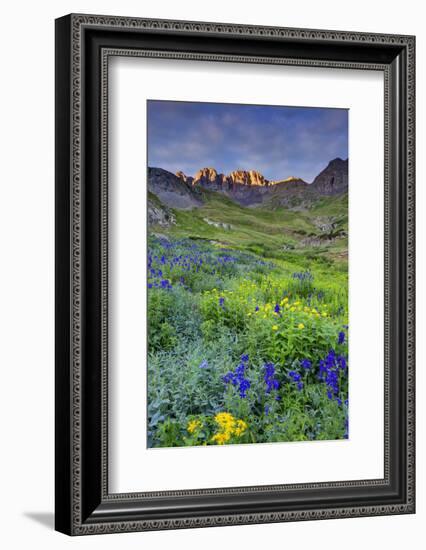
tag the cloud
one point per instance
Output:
(277, 141)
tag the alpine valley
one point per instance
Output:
(243, 210)
(247, 307)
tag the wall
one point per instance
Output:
(26, 292)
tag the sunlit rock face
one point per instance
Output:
(247, 187)
(248, 177)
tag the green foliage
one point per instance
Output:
(213, 297)
(210, 306)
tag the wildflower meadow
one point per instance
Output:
(244, 348)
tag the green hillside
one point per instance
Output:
(248, 323)
(274, 233)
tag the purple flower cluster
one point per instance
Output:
(165, 284)
(331, 370)
(238, 377)
(173, 259)
(297, 379)
(304, 276)
(204, 364)
(269, 377)
(174, 262)
(306, 364)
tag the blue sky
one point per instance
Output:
(277, 141)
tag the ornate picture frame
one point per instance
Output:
(84, 45)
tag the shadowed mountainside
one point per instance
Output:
(246, 187)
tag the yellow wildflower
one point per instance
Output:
(221, 438)
(241, 428)
(193, 425)
(224, 419)
(274, 327)
(228, 426)
(324, 314)
(300, 326)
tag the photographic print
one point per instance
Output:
(247, 274)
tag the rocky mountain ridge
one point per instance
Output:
(209, 177)
(246, 187)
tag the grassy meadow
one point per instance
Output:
(248, 325)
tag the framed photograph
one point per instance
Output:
(234, 274)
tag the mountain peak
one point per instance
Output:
(337, 162)
(333, 179)
(246, 187)
(248, 177)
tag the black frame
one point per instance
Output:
(83, 46)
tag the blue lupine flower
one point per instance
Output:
(204, 364)
(277, 308)
(244, 386)
(303, 276)
(346, 434)
(221, 301)
(165, 283)
(342, 362)
(244, 358)
(267, 409)
(238, 378)
(228, 377)
(300, 386)
(331, 371)
(295, 376)
(269, 377)
(341, 339)
(306, 364)
(239, 371)
(257, 308)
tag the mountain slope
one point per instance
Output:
(333, 179)
(247, 187)
(171, 190)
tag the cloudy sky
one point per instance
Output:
(277, 141)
